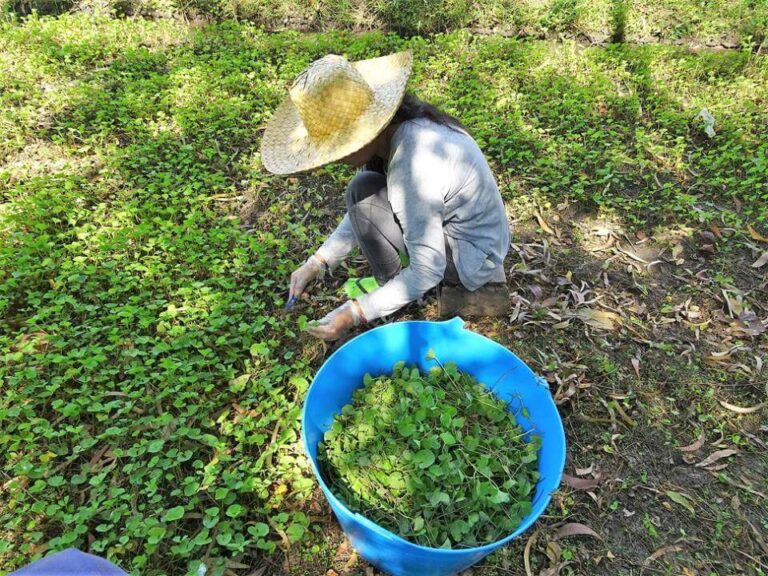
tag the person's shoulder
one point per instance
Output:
(415, 133)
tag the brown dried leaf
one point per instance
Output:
(527, 553)
(575, 529)
(553, 552)
(599, 318)
(715, 456)
(741, 410)
(762, 261)
(585, 471)
(580, 483)
(661, 551)
(756, 235)
(636, 366)
(543, 224)
(549, 302)
(748, 323)
(696, 445)
(554, 570)
(718, 357)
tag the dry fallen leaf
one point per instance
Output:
(636, 366)
(696, 445)
(718, 357)
(580, 483)
(554, 570)
(599, 318)
(553, 552)
(661, 551)
(756, 235)
(575, 529)
(741, 410)
(715, 456)
(543, 224)
(748, 323)
(537, 291)
(760, 262)
(527, 553)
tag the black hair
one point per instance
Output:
(412, 108)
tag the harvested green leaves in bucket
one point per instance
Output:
(434, 458)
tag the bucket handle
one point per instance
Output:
(455, 324)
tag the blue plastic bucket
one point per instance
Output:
(375, 352)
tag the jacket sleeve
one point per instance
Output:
(415, 191)
(338, 244)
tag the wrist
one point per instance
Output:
(319, 263)
(320, 259)
(358, 316)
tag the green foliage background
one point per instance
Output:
(740, 21)
(151, 384)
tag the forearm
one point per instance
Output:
(339, 244)
(412, 283)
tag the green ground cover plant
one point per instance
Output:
(151, 382)
(434, 458)
(733, 22)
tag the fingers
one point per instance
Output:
(299, 280)
(334, 325)
(324, 330)
(298, 283)
(292, 287)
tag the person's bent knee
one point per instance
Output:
(364, 184)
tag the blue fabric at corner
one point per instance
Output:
(70, 562)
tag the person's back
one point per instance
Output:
(448, 163)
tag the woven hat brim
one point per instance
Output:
(287, 147)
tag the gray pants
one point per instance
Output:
(377, 230)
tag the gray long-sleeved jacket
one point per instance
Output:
(440, 187)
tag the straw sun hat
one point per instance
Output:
(334, 108)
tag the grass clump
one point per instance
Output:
(435, 458)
